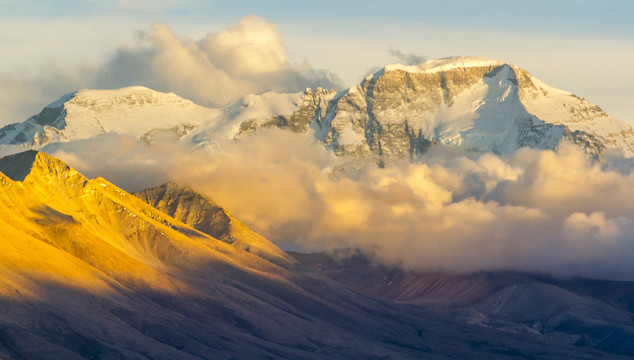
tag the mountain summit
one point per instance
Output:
(472, 103)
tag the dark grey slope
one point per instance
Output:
(577, 312)
(246, 317)
(18, 166)
(189, 207)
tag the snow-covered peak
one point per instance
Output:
(61, 101)
(445, 64)
(472, 102)
(131, 96)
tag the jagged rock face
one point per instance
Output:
(189, 207)
(388, 111)
(201, 213)
(399, 113)
(476, 104)
(312, 107)
(586, 124)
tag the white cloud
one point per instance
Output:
(242, 59)
(540, 211)
(252, 46)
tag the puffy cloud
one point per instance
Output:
(22, 96)
(171, 63)
(245, 58)
(251, 47)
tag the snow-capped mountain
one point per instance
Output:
(473, 103)
(134, 111)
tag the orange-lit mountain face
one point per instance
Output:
(103, 226)
(90, 271)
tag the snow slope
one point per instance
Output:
(134, 111)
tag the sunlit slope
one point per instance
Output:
(201, 213)
(87, 270)
(103, 225)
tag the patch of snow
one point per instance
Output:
(349, 137)
(445, 64)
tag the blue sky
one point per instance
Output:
(589, 16)
(586, 47)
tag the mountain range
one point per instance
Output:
(400, 111)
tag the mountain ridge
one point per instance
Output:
(444, 91)
(201, 213)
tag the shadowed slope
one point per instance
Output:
(201, 213)
(585, 312)
(18, 166)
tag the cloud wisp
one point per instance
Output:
(407, 58)
(540, 211)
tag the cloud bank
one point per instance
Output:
(540, 211)
(245, 58)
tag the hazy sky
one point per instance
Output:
(585, 47)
